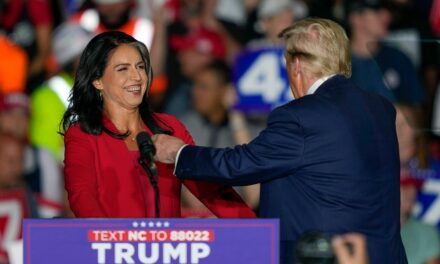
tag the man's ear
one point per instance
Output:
(297, 65)
(98, 84)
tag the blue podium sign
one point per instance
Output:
(73, 241)
(261, 80)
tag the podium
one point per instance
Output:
(73, 241)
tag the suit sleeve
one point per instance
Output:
(276, 152)
(80, 176)
(222, 200)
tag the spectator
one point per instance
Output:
(41, 171)
(367, 24)
(16, 198)
(406, 126)
(421, 241)
(195, 50)
(416, 158)
(115, 15)
(49, 101)
(273, 16)
(208, 122)
(29, 24)
(213, 124)
(370, 20)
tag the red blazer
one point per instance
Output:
(104, 179)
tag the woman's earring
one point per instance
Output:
(100, 94)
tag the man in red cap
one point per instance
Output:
(195, 50)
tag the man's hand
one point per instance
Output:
(166, 148)
(358, 252)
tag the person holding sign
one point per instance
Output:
(108, 112)
(327, 160)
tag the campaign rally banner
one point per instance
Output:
(261, 80)
(73, 241)
(427, 205)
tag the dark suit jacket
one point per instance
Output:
(327, 161)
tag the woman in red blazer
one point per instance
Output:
(108, 108)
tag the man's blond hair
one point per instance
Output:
(322, 45)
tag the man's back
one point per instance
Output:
(348, 176)
(326, 161)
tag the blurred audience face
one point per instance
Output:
(406, 136)
(372, 23)
(192, 61)
(196, 49)
(14, 115)
(208, 93)
(190, 13)
(124, 81)
(114, 15)
(273, 25)
(11, 161)
(385, 17)
(15, 122)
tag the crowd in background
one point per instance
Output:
(193, 45)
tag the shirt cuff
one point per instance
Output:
(177, 158)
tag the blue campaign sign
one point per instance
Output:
(427, 206)
(428, 202)
(261, 80)
(73, 241)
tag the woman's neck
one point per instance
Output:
(126, 120)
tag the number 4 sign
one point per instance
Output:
(261, 80)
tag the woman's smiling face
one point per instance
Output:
(124, 81)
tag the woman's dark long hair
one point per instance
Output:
(85, 103)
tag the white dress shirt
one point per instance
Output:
(312, 89)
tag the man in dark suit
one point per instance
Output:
(327, 160)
